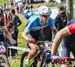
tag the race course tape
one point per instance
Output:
(19, 48)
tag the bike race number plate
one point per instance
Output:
(2, 49)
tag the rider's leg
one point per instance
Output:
(33, 51)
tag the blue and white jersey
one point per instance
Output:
(35, 24)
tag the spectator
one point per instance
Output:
(17, 8)
(9, 22)
(4, 29)
(5, 8)
(16, 22)
(27, 13)
(61, 18)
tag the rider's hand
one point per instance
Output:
(55, 58)
(32, 40)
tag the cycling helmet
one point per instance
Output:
(1, 12)
(44, 10)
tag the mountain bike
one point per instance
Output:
(3, 52)
(41, 59)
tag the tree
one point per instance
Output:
(69, 4)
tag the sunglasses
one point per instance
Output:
(46, 16)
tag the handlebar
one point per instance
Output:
(39, 42)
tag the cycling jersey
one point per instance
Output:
(35, 24)
(71, 28)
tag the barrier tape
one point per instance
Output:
(18, 48)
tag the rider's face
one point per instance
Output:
(45, 18)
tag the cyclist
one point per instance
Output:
(67, 36)
(28, 12)
(33, 30)
(4, 29)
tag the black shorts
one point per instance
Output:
(37, 35)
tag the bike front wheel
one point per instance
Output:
(23, 58)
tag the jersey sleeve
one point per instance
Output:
(71, 28)
(28, 27)
(31, 24)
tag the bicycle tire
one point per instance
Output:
(5, 62)
(23, 57)
(25, 54)
(43, 63)
(46, 63)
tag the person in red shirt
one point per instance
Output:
(4, 29)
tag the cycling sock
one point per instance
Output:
(28, 62)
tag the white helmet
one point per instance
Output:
(44, 10)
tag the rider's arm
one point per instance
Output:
(8, 35)
(26, 35)
(26, 31)
(58, 38)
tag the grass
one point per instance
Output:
(4, 1)
(15, 62)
